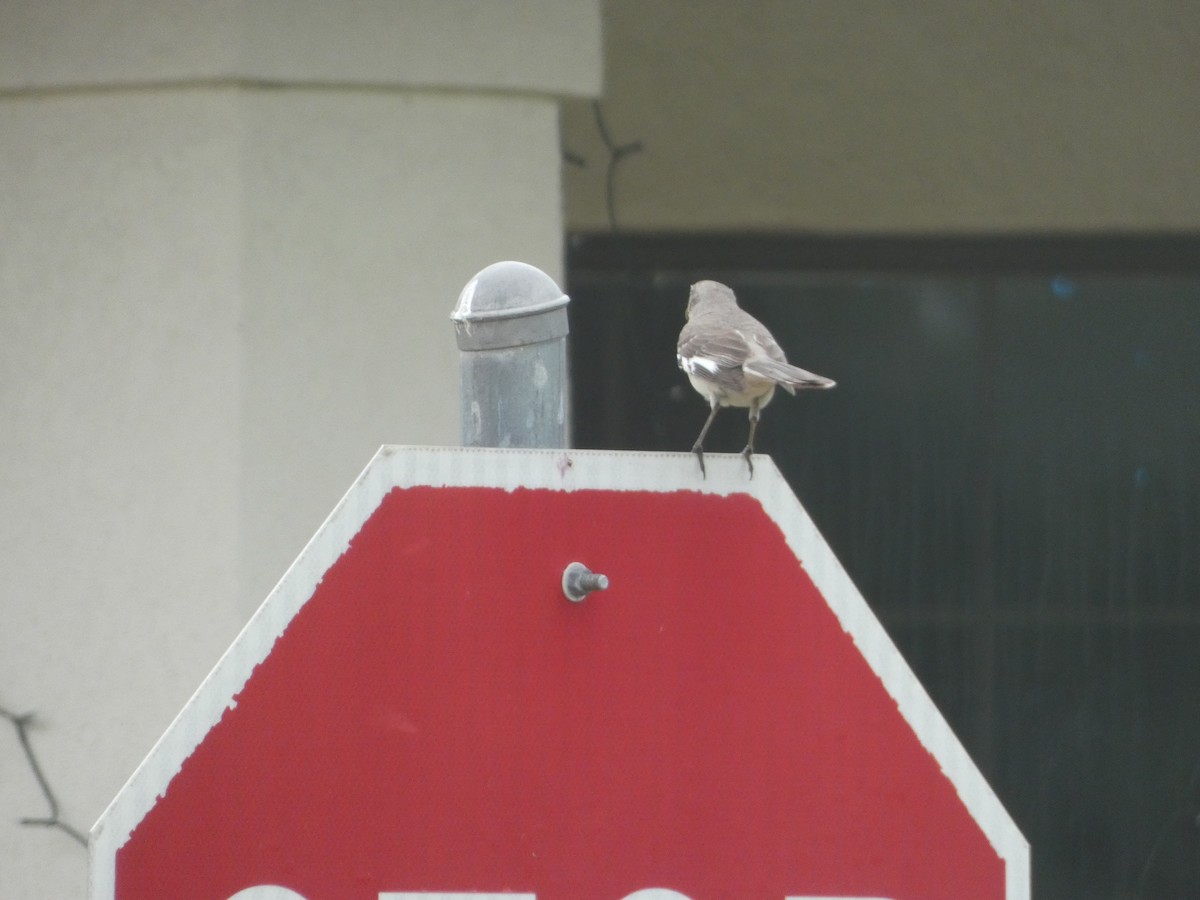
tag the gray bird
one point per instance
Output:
(732, 360)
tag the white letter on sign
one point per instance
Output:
(274, 892)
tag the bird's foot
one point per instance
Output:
(748, 453)
(699, 451)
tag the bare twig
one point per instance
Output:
(21, 723)
(572, 158)
(616, 153)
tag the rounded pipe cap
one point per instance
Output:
(509, 304)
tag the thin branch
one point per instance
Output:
(616, 153)
(571, 158)
(21, 723)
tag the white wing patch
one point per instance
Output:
(691, 364)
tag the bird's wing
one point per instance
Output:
(715, 355)
(759, 339)
(713, 349)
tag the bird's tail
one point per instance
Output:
(787, 376)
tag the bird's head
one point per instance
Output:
(709, 295)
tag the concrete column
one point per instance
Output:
(230, 234)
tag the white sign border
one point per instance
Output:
(565, 470)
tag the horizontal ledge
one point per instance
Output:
(265, 85)
(1001, 252)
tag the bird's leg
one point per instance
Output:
(698, 447)
(749, 451)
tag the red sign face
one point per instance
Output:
(435, 718)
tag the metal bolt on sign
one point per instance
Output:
(578, 581)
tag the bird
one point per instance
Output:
(731, 359)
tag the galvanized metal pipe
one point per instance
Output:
(511, 327)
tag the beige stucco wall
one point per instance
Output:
(231, 236)
(881, 116)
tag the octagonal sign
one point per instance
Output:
(418, 712)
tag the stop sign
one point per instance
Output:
(417, 710)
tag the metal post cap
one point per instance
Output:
(509, 304)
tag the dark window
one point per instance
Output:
(1009, 469)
